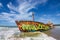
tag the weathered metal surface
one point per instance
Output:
(28, 26)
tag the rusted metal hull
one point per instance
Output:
(36, 24)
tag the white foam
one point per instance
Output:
(8, 33)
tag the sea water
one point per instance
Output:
(9, 33)
(55, 32)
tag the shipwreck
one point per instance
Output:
(32, 26)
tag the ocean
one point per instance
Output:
(54, 32)
(13, 33)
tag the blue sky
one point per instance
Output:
(44, 11)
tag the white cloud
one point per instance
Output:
(23, 8)
(24, 5)
(12, 17)
(58, 14)
(45, 18)
(11, 7)
(1, 5)
(6, 16)
(44, 15)
(12, 12)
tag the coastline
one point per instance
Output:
(54, 33)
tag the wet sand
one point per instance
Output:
(54, 33)
(14, 33)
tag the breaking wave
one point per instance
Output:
(14, 34)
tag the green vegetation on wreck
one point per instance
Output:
(33, 27)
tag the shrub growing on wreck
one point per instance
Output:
(33, 27)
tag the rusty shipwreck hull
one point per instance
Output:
(20, 23)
